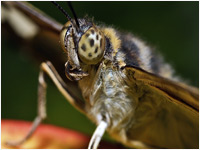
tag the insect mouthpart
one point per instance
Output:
(83, 46)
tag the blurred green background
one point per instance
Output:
(171, 27)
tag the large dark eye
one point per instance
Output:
(91, 46)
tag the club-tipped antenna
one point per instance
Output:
(63, 11)
(74, 14)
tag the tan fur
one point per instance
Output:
(145, 54)
(115, 41)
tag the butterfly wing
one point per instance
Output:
(33, 30)
(167, 112)
(37, 35)
(34, 14)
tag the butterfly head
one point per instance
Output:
(91, 46)
(83, 42)
(87, 41)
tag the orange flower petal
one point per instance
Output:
(45, 137)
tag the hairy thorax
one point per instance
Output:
(106, 93)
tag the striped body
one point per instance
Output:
(125, 85)
(134, 52)
(132, 109)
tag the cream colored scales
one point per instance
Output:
(156, 111)
(91, 46)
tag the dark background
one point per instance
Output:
(171, 27)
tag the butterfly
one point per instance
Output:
(127, 89)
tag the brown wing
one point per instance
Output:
(42, 43)
(167, 112)
(27, 25)
(42, 20)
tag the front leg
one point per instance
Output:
(74, 74)
(49, 70)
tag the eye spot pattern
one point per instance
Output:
(87, 35)
(83, 47)
(91, 46)
(92, 31)
(91, 42)
(96, 50)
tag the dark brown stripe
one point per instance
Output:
(176, 98)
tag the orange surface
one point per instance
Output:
(46, 137)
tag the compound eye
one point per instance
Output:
(91, 46)
(63, 33)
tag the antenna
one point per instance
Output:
(63, 11)
(67, 15)
(73, 12)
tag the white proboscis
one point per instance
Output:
(97, 135)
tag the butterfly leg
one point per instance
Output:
(48, 69)
(97, 135)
